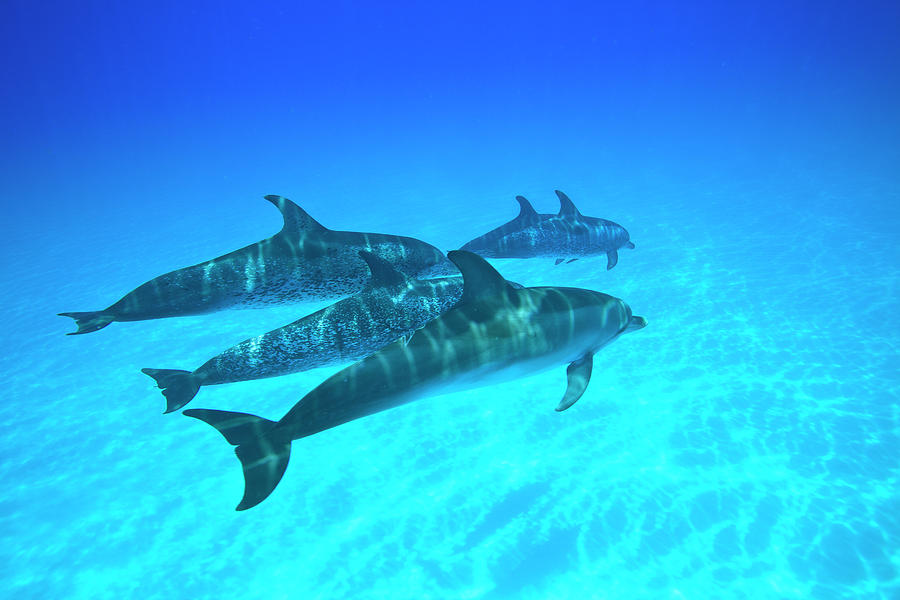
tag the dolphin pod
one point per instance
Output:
(415, 326)
(305, 261)
(390, 307)
(566, 235)
(494, 333)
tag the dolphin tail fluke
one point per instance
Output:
(179, 387)
(88, 321)
(263, 450)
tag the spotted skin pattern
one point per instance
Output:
(343, 332)
(391, 307)
(303, 262)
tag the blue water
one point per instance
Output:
(745, 444)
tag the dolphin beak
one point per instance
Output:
(635, 323)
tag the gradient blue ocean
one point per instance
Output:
(745, 444)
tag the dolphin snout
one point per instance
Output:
(635, 323)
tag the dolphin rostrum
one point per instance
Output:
(560, 236)
(390, 307)
(494, 333)
(303, 262)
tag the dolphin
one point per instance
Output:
(494, 333)
(392, 306)
(304, 261)
(566, 234)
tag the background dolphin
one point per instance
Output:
(567, 235)
(304, 261)
(495, 332)
(391, 306)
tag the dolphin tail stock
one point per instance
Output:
(179, 387)
(88, 321)
(263, 452)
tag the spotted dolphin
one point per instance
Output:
(304, 261)
(390, 307)
(494, 333)
(566, 235)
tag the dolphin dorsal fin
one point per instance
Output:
(567, 207)
(295, 218)
(526, 210)
(383, 272)
(480, 279)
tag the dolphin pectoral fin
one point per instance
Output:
(612, 257)
(629, 245)
(263, 450)
(635, 323)
(578, 375)
(88, 321)
(571, 260)
(295, 218)
(559, 261)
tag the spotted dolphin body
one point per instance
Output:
(392, 306)
(568, 234)
(494, 333)
(303, 262)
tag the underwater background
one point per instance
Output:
(745, 444)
